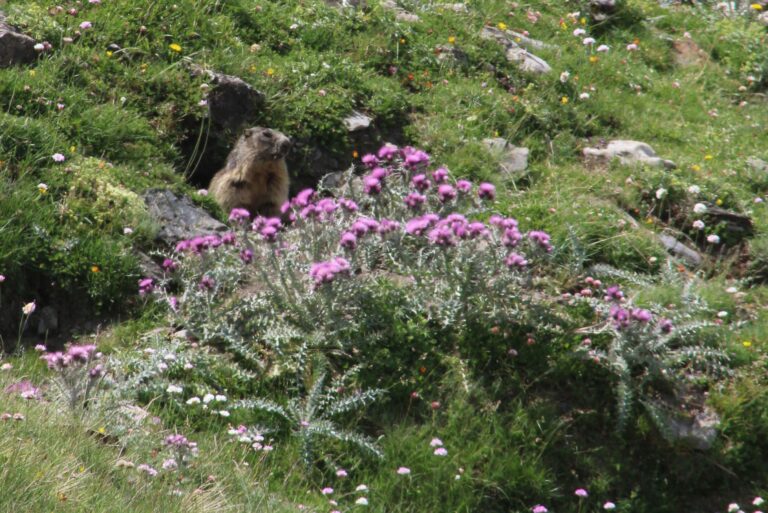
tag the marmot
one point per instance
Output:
(255, 177)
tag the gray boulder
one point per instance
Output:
(525, 60)
(513, 159)
(680, 250)
(177, 217)
(357, 121)
(400, 13)
(628, 153)
(697, 431)
(232, 102)
(15, 47)
(757, 164)
(602, 9)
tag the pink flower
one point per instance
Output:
(403, 471)
(327, 490)
(86, 25)
(441, 451)
(609, 506)
(581, 492)
(58, 157)
(538, 508)
(486, 191)
(436, 442)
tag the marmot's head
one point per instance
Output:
(259, 144)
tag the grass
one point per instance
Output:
(119, 103)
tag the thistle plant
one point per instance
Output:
(653, 356)
(312, 416)
(78, 374)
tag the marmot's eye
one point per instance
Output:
(267, 134)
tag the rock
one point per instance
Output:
(527, 42)
(47, 321)
(686, 52)
(525, 60)
(178, 217)
(15, 47)
(400, 13)
(628, 153)
(757, 164)
(698, 432)
(680, 250)
(149, 268)
(513, 160)
(355, 4)
(232, 102)
(600, 10)
(458, 8)
(451, 54)
(357, 121)
(738, 225)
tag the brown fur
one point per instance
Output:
(255, 177)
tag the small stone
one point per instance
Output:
(628, 153)
(513, 160)
(357, 121)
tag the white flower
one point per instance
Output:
(29, 308)
(207, 398)
(603, 48)
(609, 506)
(162, 367)
(193, 400)
(733, 507)
(758, 501)
(734, 290)
(699, 208)
(39, 47)
(694, 189)
(174, 389)
(294, 26)
(361, 488)
(169, 357)
(722, 314)
(564, 76)
(713, 239)
(127, 230)
(441, 451)
(584, 96)
(660, 193)
(224, 413)
(221, 398)
(631, 47)
(758, 200)
(188, 366)
(6, 367)
(436, 442)
(699, 224)
(362, 501)
(589, 41)
(579, 32)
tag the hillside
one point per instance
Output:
(523, 268)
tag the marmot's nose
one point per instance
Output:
(285, 145)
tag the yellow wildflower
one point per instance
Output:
(583, 21)
(718, 202)
(452, 40)
(757, 7)
(695, 167)
(502, 25)
(593, 59)
(564, 100)
(747, 343)
(355, 154)
(270, 72)
(109, 53)
(708, 157)
(95, 269)
(175, 47)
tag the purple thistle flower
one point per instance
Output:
(229, 239)
(173, 302)
(348, 205)
(415, 200)
(511, 237)
(614, 293)
(239, 214)
(515, 260)
(464, 186)
(420, 182)
(388, 151)
(417, 225)
(371, 185)
(81, 353)
(620, 317)
(348, 241)
(486, 191)
(387, 226)
(641, 315)
(169, 265)
(477, 229)
(666, 326)
(310, 212)
(416, 158)
(370, 160)
(246, 256)
(146, 286)
(327, 206)
(207, 283)
(269, 233)
(96, 372)
(440, 175)
(380, 173)
(442, 236)
(541, 239)
(303, 198)
(446, 192)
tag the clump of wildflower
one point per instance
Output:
(326, 272)
(146, 286)
(486, 191)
